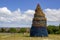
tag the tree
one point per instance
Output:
(59, 26)
(3, 30)
(52, 29)
(12, 30)
(22, 30)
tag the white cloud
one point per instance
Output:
(52, 14)
(5, 11)
(17, 18)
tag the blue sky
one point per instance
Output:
(15, 13)
(29, 4)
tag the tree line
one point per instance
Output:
(51, 30)
(14, 30)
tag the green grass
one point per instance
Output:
(21, 36)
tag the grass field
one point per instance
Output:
(21, 36)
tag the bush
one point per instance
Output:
(12, 30)
(52, 29)
(22, 30)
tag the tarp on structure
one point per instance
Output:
(38, 32)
